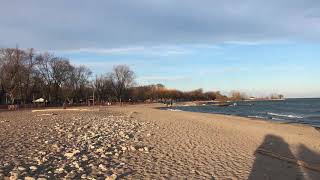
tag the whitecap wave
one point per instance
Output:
(174, 110)
(258, 117)
(285, 115)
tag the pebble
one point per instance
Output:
(112, 177)
(29, 178)
(42, 178)
(74, 142)
(103, 167)
(59, 171)
(146, 149)
(83, 176)
(132, 148)
(33, 168)
(20, 168)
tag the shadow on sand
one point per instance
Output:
(268, 167)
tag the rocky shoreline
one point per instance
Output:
(70, 145)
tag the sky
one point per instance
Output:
(256, 46)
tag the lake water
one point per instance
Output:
(303, 111)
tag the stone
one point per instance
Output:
(132, 148)
(102, 167)
(83, 176)
(100, 150)
(29, 178)
(14, 176)
(71, 154)
(59, 171)
(84, 158)
(146, 149)
(33, 168)
(112, 177)
(20, 168)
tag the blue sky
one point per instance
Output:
(256, 68)
(256, 46)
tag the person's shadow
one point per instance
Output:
(267, 167)
(313, 160)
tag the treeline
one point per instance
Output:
(27, 76)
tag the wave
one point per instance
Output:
(285, 115)
(258, 117)
(174, 110)
(278, 119)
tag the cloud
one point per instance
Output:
(163, 78)
(141, 50)
(105, 26)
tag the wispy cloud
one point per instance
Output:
(141, 50)
(163, 78)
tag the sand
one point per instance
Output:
(199, 145)
(144, 142)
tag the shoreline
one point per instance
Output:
(250, 118)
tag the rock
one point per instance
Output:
(112, 177)
(59, 171)
(83, 176)
(33, 168)
(100, 150)
(84, 158)
(148, 135)
(71, 154)
(132, 148)
(124, 148)
(42, 178)
(76, 165)
(70, 175)
(29, 178)
(146, 149)
(102, 167)
(20, 168)
(55, 148)
(121, 133)
(14, 176)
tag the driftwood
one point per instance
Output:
(289, 160)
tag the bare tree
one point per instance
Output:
(122, 78)
(45, 72)
(76, 86)
(12, 72)
(104, 88)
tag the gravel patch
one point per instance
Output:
(71, 145)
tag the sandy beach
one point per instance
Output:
(143, 142)
(198, 145)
